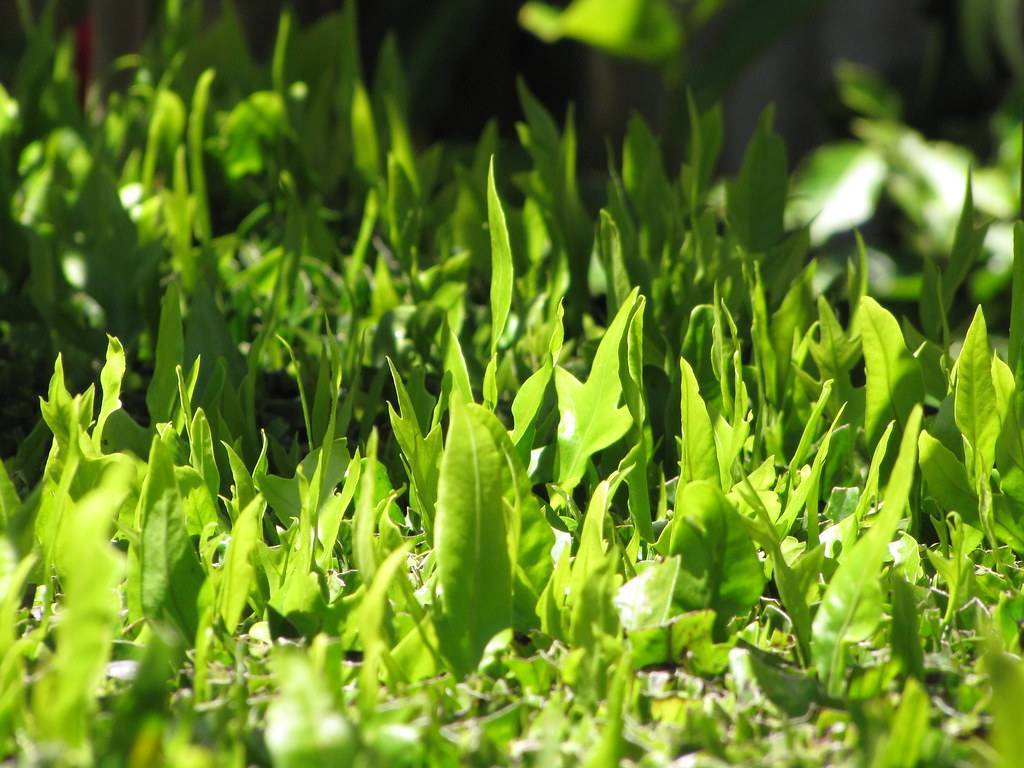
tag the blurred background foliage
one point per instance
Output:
(885, 109)
(951, 62)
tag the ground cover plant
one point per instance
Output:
(321, 447)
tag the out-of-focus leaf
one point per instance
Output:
(757, 197)
(837, 189)
(649, 600)
(641, 29)
(64, 699)
(303, 726)
(170, 353)
(1007, 680)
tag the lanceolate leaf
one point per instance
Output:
(975, 398)
(372, 624)
(501, 281)
(170, 352)
(474, 569)
(528, 400)
(699, 458)
(501, 261)
(894, 384)
(239, 571)
(364, 524)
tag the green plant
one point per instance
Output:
(406, 456)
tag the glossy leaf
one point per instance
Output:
(975, 396)
(894, 382)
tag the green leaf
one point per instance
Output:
(609, 750)
(90, 569)
(162, 393)
(642, 29)
(364, 134)
(530, 396)
(364, 524)
(975, 397)
(171, 576)
(422, 454)
(201, 454)
(455, 369)
(946, 479)
(253, 130)
(501, 281)
(698, 455)
(609, 247)
(906, 634)
(9, 501)
(239, 571)
(471, 541)
(634, 393)
(909, 729)
(704, 146)
(757, 197)
(196, 172)
(530, 537)
(501, 262)
(649, 600)
(166, 127)
(373, 628)
(894, 383)
(111, 378)
(834, 353)
(851, 607)
(590, 417)
(303, 728)
(720, 565)
(1006, 677)
(837, 189)
(1017, 299)
(792, 589)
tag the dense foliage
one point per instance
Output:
(406, 456)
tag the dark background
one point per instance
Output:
(462, 58)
